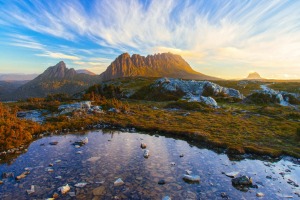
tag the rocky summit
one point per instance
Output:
(157, 65)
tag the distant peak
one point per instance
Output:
(254, 75)
(61, 64)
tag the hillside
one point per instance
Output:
(158, 65)
(55, 79)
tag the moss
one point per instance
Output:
(185, 105)
(157, 94)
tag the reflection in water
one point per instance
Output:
(114, 155)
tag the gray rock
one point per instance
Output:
(146, 153)
(242, 180)
(191, 178)
(118, 182)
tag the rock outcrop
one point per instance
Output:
(201, 91)
(158, 65)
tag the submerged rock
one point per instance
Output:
(31, 190)
(166, 198)
(99, 191)
(81, 142)
(143, 146)
(118, 182)
(161, 182)
(8, 175)
(80, 185)
(191, 178)
(23, 175)
(146, 153)
(242, 180)
(64, 189)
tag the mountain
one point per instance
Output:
(158, 65)
(55, 79)
(7, 88)
(17, 77)
(254, 76)
(84, 71)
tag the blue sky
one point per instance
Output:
(227, 39)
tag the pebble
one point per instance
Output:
(143, 146)
(118, 182)
(80, 185)
(161, 182)
(191, 178)
(99, 191)
(31, 190)
(166, 198)
(64, 189)
(146, 153)
(260, 194)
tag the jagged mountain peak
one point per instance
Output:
(58, 71)
(157, 65)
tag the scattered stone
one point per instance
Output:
(64, 189)
(51, 165)
(191, 178)
(31, 190)
(27, 168)
(58, 177)
(166, 198)
(146, 153)
(77, 146)
(143, 146)
(188, 172)
(173, 163)
(72, 194)
(23, 175)
(8, 175)
(284, 196)
(232, 174)
(55, 195)
(53, 143)
(49, 169)
(161, 182)
(81, 142)
(242, 180)
(57, 161)
(224, 195)
(99, 191)
(139, 178)
(80, 185)
(118, 182)
(93, 159)
(291, 182)
(260, 194)
(181, 155)
(79, 152)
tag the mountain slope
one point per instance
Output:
(56, 79)
(158, 65)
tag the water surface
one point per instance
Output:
(112, 155)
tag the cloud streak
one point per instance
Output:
(249, 35)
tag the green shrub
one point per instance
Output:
(261, 98)
(185, 105)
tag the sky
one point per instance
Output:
(226, 39)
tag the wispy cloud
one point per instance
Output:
(211, 35)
